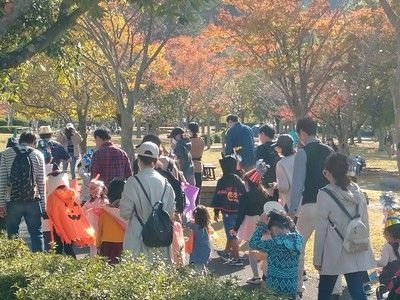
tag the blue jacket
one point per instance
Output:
(240, 135)
(283, 259)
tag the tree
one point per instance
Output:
(28, 27)
(392, 11)
(125, 43)
(298, 47)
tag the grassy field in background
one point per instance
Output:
(379, 168)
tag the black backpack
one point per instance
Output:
(45, 147)
(22, 184)
(180, 199)
(157, 231)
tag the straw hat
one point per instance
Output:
(45, 130)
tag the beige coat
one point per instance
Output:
(328, 246)
(133, 196)
(76, 141)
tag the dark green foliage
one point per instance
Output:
(26, 275)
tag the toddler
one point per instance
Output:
(93, 207)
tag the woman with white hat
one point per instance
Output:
(71, 140)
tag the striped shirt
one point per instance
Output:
(37, 159)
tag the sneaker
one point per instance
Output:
(237, 262)
(254, 280)
(224, 254)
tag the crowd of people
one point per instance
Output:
(274, 196)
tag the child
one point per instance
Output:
(66, 215)
(111, 227)
(200, 238)
(92, 208)
(250, 208)
(84, 173)
(283, 251)
(226, 200)
(390, 254)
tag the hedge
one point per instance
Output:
(26, 275)
(10, 129)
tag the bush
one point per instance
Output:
(26, 275)
(217, 138)
(10, 129)
(204, 137)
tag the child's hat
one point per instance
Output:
(273, 205)
(96, 188)
(56, 179)
(257, 173)
(391, 206)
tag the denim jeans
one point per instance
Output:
(354, 284)
(32, 214)
(72, 166)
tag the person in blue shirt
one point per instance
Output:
(239, 140)
(283, 251)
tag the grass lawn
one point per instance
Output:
(379, 166)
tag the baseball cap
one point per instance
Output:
(69, 125)
(273, 205)
(175, 132)
(283, 140)
(148, 149)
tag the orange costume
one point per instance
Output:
(68, 219)
(110, 229)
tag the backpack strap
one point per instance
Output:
(148, 198)
(340, 204)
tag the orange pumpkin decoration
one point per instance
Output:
(68, 218)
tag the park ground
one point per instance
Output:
(380, 175)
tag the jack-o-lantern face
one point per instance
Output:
(72, 211)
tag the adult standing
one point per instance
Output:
(284, 167)
(307, 180)
(32, 208)
(330, 257)
(57, 151)
(71, 140)
(239, 140)
(182, 147)
(197, 153)
(135, 203)
(108, 161)
(267, 153)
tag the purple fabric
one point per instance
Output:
(191, 192)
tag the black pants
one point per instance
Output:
(62, 248)
(198, 177)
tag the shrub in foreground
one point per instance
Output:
(26, 275)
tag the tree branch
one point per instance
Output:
(37, 44)
(392, 16)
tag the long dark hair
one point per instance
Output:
(338, 164)
(394, 232)
(69, 132)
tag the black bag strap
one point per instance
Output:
(339, 203)
(148, 198)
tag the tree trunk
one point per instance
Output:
(82, 123)
(381, 137)
(396, 93)
(126, 134)
(208, 131)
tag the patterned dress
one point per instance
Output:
(283, 259)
